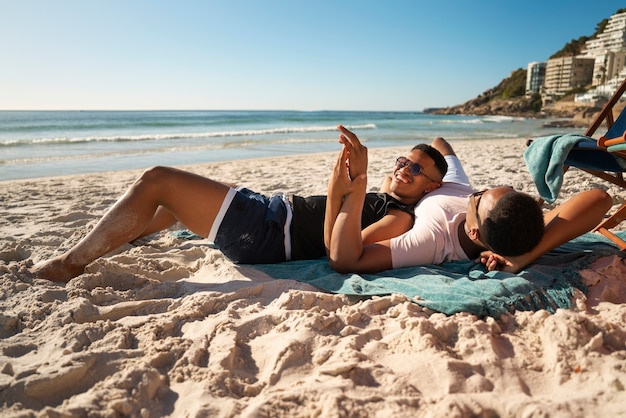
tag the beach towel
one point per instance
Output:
(545, 158)
(465, 286)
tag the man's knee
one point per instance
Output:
(442, 146)
(155, 173)
(154, 178)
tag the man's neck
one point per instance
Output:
(406, 200)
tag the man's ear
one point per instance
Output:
(474, 234)
(432, 186)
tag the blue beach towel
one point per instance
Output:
(464, 286)
(545, 158)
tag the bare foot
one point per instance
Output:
(56, 270)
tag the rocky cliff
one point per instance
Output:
(481, 105)
(508, 99)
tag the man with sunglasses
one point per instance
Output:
(502, 228)
(246, 226)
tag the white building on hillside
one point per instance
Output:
(566, 73)
(608, 49)
(602, 64)
(612, 38)
(535, 76)
(607, 66)
(602, 92)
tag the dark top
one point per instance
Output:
(307, 225)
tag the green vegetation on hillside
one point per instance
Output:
(575, 46)
(572, 48)
(513, 86)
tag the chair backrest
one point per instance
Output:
(593, 155)
(619, 126)
(607, 112)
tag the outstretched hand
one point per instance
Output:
(357, 152)
(496, 262)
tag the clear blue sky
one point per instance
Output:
(274, 54)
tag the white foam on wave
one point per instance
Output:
(210, 146)
(181, 135)
(479, 120)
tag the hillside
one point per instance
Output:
(505, 100)
(508, 97)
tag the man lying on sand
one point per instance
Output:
(364, 232)
(503, 228)
(246, 226)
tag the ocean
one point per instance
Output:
(53, 143)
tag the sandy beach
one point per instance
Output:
(170, 327)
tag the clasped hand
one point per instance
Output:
(350, 171)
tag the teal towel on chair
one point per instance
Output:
(545, 157)
(464, 286)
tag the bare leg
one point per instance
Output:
(161, 220)
(442, 146)
(189, 198)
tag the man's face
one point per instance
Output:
(410, 188)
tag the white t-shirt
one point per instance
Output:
(434, 237)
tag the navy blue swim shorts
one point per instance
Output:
(254, 229)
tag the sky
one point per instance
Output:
(274, 54)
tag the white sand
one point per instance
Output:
(171, 328)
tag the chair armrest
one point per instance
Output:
(605, 142)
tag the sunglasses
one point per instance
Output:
(476, 196)
(414, 168)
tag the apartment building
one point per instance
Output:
(566, 73)
(535, 76)
(612, 38)
(602, 59)
(608, 49)
(607, 66)
(601, 63)
(603, 91)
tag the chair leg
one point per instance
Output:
(612, 222)
(621, 244)
(615, 219)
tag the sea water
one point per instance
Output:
(52, 143)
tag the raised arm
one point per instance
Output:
(350, 165)
(351, 162)
(342, 226)
(338, 187)
(346, 251)
(576, 216)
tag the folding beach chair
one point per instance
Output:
(605, 157)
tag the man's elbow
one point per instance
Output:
(342, 266)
